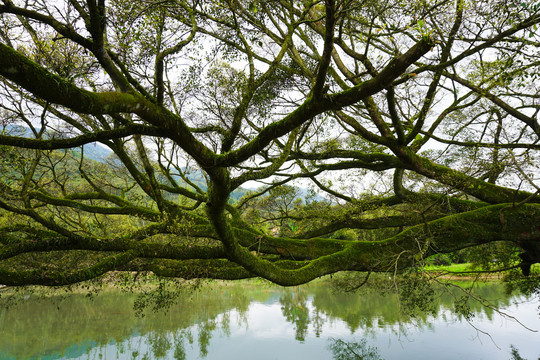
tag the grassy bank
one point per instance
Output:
(469, 271)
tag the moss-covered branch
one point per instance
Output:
(312, 107)
(478, 188)
(503, 222)
(87, 138)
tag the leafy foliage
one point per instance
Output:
(413, 125)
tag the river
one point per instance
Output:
(255, 320)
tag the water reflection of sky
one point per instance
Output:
(267, 335)
(287, 325)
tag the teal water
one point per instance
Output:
(247, 320)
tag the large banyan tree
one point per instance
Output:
(373, 134)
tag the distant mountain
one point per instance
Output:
(93, 151)
(304, 193)
(97, 152)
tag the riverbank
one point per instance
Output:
(468, 271)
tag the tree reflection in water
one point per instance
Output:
(244, 315)
(295, 310)
(515, 354)
(348, 350)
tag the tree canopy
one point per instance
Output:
(412, 125)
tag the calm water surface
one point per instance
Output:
(247, 320)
